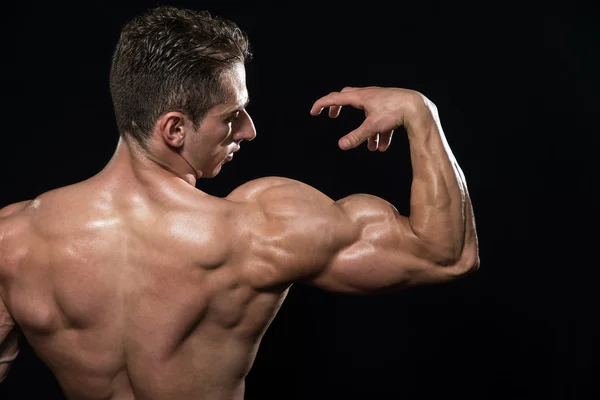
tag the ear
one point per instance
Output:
(173, 128)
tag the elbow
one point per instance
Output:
(446, 256)
(471, 265)
(468, 262)
(458, 262)
(446, 253)
(454, 260)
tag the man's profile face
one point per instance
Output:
(223, 127)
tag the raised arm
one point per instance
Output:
(361, 244)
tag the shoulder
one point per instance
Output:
(274, 187)
(283, 200)
(286, 229)
(265, 201)
(253, 189)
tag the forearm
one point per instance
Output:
(439, 198)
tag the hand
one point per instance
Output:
(386, 109)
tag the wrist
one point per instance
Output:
(422, 129)
(419, 119)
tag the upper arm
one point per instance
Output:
(386, 254)
(359, 244)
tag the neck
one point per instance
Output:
(152, 163)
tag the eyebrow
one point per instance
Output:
(240, 108)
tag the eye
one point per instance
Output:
(233, 117)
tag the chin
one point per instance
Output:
(213, 173)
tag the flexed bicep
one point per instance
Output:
(386, 255)
(360, 244)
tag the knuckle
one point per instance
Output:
(333, 97)
(376, 124)
(355, 139)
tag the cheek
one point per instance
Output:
(212, 144)
(222, 142)
(227, 135)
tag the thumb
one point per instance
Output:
(356, 137)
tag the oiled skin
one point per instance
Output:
(128, 290)
(135, 285)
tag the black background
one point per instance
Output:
(517, 95)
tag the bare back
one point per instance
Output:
(129, 294)
(135, 285)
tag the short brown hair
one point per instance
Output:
(171, 59)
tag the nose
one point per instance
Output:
(246, 131)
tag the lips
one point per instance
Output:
(230, 155)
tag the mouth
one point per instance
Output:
(230, 155)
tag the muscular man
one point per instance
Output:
(133, 284)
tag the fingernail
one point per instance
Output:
(345, 143)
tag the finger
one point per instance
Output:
(334, 111)
(347, 98)
(373, 142)
(385, 140)
(357, 136)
